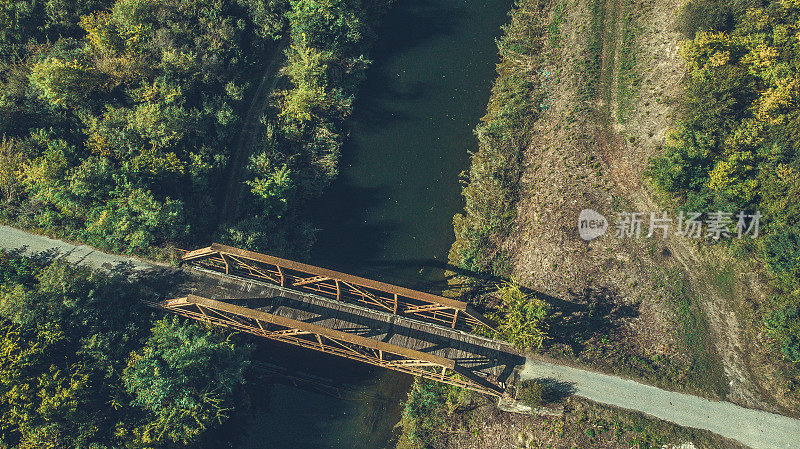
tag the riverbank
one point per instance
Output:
(637, 307)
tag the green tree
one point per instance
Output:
(74, 372)
(521, 318)
(185, 376)
(64, 335)
(334, 24)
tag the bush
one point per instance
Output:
(784, 325)
(781, 253)
(707, 15)
(531, 393)
(521, 318)
(426, 412)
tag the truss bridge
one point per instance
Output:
(348, 316)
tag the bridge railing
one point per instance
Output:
(312, 336)
(336, 285)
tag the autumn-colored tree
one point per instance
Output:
(737, 144)
(522, 318)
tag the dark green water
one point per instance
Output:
(389, 214)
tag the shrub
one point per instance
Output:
(522, 318)
(781, 253)
(427, 410)
(784, 325)
(531, 393)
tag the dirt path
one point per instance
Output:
(248, 138)
(754, 428)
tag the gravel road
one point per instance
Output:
(12, 238)
(754, 428)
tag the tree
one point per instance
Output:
(334, 24)
(75, 374)
(68, 83)
(271, 184)
(185, 377)
(521, 318)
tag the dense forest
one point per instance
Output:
(120, 125)
(120, 119)
(736, 146)
(86, 365)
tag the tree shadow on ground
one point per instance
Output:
(556, 390)
(594, 311)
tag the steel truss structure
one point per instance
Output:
(311, 336)
(335, 285)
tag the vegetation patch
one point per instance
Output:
(427, 413)
(557, 14)
(531, 393)
(592, 66)
(85, 365)
(120, 117)
(705, 371)
(735, 147)
(477, 423)
(627, 78)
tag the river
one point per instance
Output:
(388, 216)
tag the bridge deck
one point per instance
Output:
(486, 358)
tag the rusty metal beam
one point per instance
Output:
(330, 341)
(310, 280)
(427, 308)
(341, 286)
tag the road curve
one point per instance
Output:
(754, 428)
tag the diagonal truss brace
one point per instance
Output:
(340, 286)
(330, 341)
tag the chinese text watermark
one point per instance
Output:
(712, 225)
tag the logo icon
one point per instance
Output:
(591, 224)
